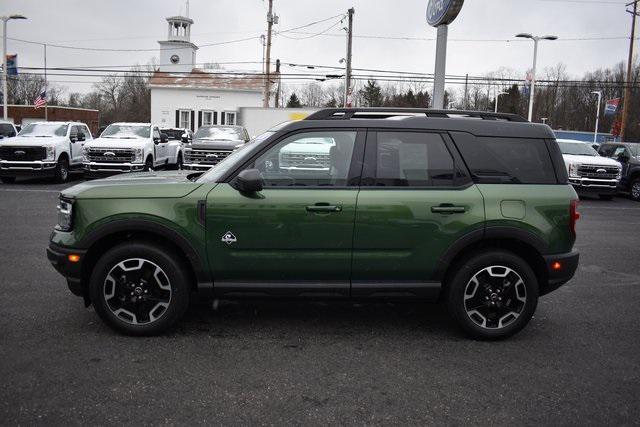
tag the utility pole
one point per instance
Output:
(347, 75)
(627, 89)
(267, 65)
(277, 101)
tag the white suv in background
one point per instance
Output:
(43, 149)
(590, 173)
(130, 147)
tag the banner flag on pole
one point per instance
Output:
(41, 100)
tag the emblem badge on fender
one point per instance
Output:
(229, 238)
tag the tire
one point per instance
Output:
(139, 288)
(635, 189)
(606, 196)
(62, 170)
(483, 303)
(8, 179)
(148, 164)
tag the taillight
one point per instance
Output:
(574, 215)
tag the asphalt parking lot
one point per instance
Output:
(577, 363)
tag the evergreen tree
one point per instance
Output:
(293, 102)
(372, 94)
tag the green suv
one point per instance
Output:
(472, 209)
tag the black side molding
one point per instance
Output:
(202, 212)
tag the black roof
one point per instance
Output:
(474, 122)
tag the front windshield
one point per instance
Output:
(577, 149)
(44, 130)
(126, 131)
(215, 133)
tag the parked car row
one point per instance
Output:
(54, 149)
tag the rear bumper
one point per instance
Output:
(560, 269)
(35, 168)
(72, 271)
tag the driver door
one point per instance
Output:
(160, 148)
(294, 237)
(77, 133)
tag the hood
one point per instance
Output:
(117, 143)
(146, 185)
(218, 144)
(34, 141)
(589, 160)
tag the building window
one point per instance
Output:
(229, 118)
(208, 118)
(185, 119)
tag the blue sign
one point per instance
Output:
(443, 12)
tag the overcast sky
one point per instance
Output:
(139, 24)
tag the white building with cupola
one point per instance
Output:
(184, 95)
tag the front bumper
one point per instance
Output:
(591, 185)
(33, 168)
(101, 169)
(560, 269)
(196, 167)
(72, 271)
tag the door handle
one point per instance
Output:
(447, 208)
(324, 207)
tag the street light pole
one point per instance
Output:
(5, 96)
(535, 39)
(595, 135)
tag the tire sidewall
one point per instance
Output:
(62, 164)
(164, 259)
(634, 182)
(456, 288)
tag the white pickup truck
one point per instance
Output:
(43, 149)
(588, 171)
(131, 147)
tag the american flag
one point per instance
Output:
(41, 99)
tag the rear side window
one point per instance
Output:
(507, 160)
(410, 159)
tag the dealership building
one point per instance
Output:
(185, 96)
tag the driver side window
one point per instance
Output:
(307, 159)
(156, 133)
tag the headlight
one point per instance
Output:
(85, 154)
(51, 153)
(573, 170)
(137, 155)
(65, 215)
(619, 175)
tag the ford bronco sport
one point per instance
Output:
(472, 209)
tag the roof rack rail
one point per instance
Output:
(383, 113)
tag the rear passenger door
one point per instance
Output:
(416, 199)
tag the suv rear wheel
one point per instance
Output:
(493, 295)
(139, 289)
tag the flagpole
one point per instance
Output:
(45, 85)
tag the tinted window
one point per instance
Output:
(308, 159)
(86, 131)
(509, 160)
(6, 130)
(156, 133)
(412, 159)
(607, 150)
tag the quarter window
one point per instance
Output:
(507, 160)
(412, 159)
(308, 159)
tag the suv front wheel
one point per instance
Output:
(139, 288)
(493, 295)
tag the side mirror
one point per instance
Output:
(623, 157)
(185, 138)
(80, 137)
(156, 140)
(73, 137)
(164, 137)
(249, 181)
